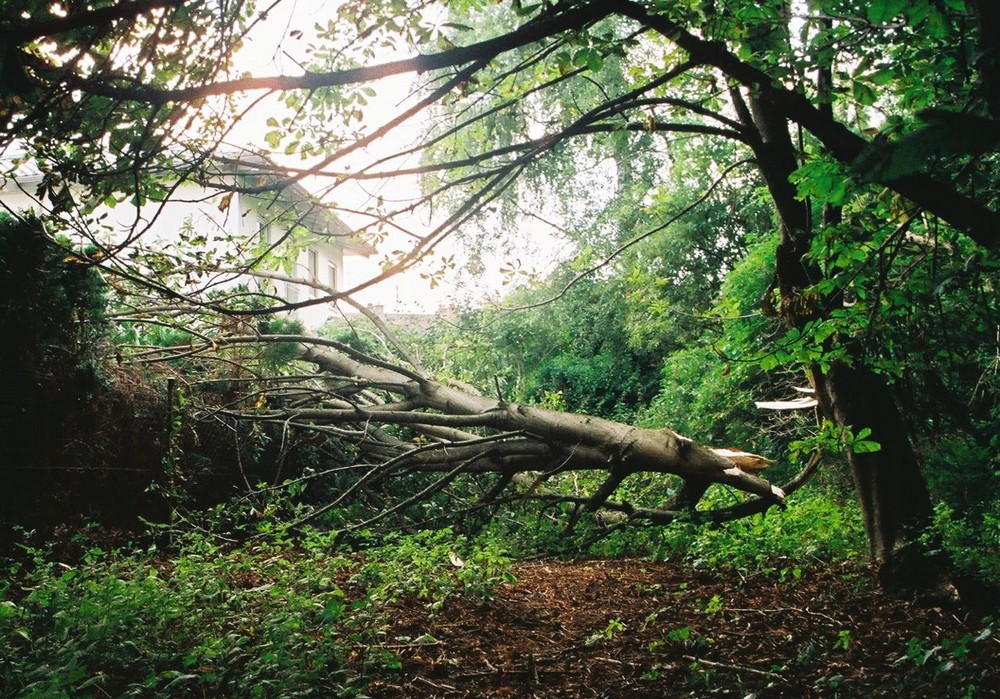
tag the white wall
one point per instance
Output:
(225, 220)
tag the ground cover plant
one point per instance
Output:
(729, 426)
(270, 617)
(687, 612)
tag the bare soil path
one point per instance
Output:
(638, 629)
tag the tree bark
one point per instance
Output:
(895, 503)
(620, 449)
(890, 487)
(987, 14)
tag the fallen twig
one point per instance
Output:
(737, 668)
(788, 609)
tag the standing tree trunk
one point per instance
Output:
(894, 500)
(890, 486)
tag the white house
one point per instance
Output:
(234, 215)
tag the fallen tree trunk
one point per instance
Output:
(459, 431)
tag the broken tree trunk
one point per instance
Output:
(462, 432)
(591, 442)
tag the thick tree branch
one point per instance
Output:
(939, 198)
(572, 20)
(628, 449)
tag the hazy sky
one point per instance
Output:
(278, 46)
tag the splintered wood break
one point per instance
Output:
(751, 463)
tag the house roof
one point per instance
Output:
(313, 214)
(15, 174)
(271, 185)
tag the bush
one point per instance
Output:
(816, 527)
(79, 434)
(433, 565)
(972, 541)
(253, 621)
(269, 618)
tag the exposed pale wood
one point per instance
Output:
(751, 463)
(796, 404)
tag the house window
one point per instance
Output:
(331, 276)
(291, 292)
(314, 269)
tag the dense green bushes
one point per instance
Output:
(251, 621)
(68, 427)
(269, 618)
(50, 320)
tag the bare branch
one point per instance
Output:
(539, 29)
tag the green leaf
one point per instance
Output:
(333, 610)
(7, 609)
(880, 77)
(273, 138)
(822, 179)
(588, 58)
(865, 447)
(882, 11)
(863, 93)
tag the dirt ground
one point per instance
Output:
(638, 629)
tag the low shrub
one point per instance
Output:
(815, 527)
(248, 621)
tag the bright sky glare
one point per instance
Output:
(279, 46)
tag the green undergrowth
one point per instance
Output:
(280, 616)
(432, 566)
(815, 528)
(971, 540)
(268, 618)
(818, 527)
